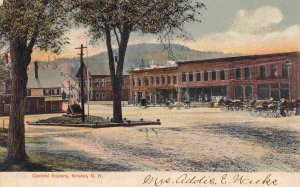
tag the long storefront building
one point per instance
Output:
(244, 77)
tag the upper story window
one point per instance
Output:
(2, 88)
(152, 80)
(191, 76)
(198, 76)
(273, 71)
(147, 81)
(263, 72)
(168, 80)
(55, 92)
(103, 82)
(222, 75)
(213, 75)
(206, 74)
(175, 79)
(28, 92)
(247, 73)
(163, 80)
(285, 71)
(47, 92)
(139, 82)
(183, 77)
(157, 81)
(238, 74)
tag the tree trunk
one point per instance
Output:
(16, 131)
(117, 99)
(298, 107)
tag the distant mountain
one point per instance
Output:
(150, 53)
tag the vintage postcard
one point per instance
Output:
(149, 93)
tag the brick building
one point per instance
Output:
(260, 76)
(100, 88)
(154, 84)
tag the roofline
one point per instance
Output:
(236, 57)
(150, 69)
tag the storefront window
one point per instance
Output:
(263, 91)
(239, 92)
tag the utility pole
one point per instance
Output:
(82, 81)
(88, 78)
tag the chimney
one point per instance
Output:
(36, 69)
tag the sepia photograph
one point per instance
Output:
(150, 93)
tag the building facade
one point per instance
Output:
(100, 85)
(154, 84)
(44, 92)
(259, 76)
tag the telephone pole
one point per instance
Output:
(82, 81)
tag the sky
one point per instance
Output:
(229, 26)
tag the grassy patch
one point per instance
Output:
(72, 120)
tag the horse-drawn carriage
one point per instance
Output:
(270, 108)
(231, 105)
(264, 108)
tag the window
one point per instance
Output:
(273, 71)
(263, 91)
(247, 73)
(55, 92)
(28, 92)
(163, 80)
(284, 90)
(175, 79)
(157, 81)
(222, 75)
(97, 82)
(238, 74)
(168, 80)
(198, 76)
(183, 77)
(239, 92)
(47, 92)
(103, 95)
(205, 76)
(152, 80)
(285, 71)
(147, 81)
(103, 82)
(213, 75)
(263, 72)
(139, 82)
(97, 95)
(191, 76)
(249, 92)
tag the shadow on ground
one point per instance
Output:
(283, 141)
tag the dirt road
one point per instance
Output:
(198, 139)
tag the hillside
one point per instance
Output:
(147, 52)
